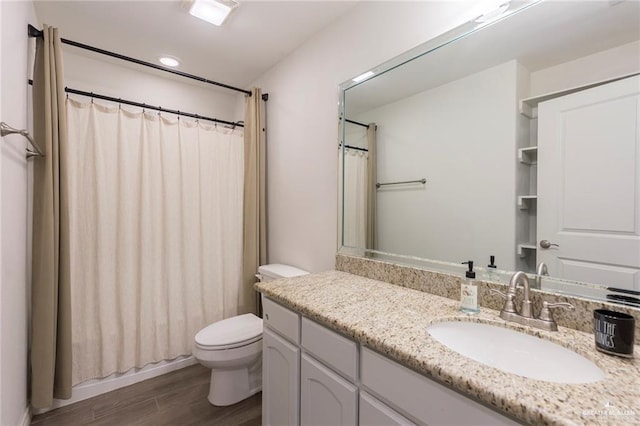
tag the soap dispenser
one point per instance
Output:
(492, 274)
(469, 291)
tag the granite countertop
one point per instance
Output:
(393, 321)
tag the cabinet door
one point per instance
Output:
(280, 380)
(326, 398)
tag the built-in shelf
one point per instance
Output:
(526, 248)
(524, 201)
(529, 106)
(528, 155)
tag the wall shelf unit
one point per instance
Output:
(525, 249)
(528, 155)
(524, 201)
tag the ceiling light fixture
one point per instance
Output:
(169, 61)
(362, 77)
(495, 13)
(213, 11)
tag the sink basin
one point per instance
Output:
(514, 352)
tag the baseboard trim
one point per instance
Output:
(92, 388)
(26, 417)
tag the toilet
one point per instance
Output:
(232, 348)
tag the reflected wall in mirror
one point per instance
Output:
(527, 135)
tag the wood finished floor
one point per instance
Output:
(176, 398)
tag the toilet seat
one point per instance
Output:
(229, 346)
(230, 333)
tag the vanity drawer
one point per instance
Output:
(335, 350)
(419, 398)
(375, 413)
(281, 319)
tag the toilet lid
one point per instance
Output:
(231, 332)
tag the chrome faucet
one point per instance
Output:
(541, 271)
(521, 278)
(525, 317)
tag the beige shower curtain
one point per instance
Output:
(156, 234)
(354, 185)
(255, 222)
(51, 299)
(372, 178)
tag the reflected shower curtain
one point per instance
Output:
(355, 196)
(156, 234)
(372, 191)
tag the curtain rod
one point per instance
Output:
(354, 147)
(145, 106)
(356, 123)
(34, 32)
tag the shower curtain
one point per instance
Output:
(355, 196)
(156, 234)
(50, 272)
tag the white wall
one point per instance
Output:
(13, 285)
(107, 76)
(302, 117)
(461, 137)
(621, 60)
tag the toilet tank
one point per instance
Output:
(272, 272)
(276, 271)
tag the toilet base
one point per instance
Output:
(230, 386)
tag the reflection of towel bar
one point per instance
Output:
(5, 130)
(422, 181)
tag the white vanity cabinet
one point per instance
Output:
(314, 376)
(329, 371)
(280, 366)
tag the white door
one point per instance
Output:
(589, 185)
(326, 399)
(280, 380)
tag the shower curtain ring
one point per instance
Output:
(159, 110)
(120, 103)
(91, 97)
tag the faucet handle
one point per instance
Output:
(547, 315)
(509, 305)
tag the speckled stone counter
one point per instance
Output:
(393, 320)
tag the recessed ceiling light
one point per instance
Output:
(213, 11)
(362, 77)
(495, 14)
(169, 61)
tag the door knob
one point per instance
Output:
(545, 244)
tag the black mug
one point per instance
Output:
(614, 332)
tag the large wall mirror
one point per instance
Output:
(515, 136)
